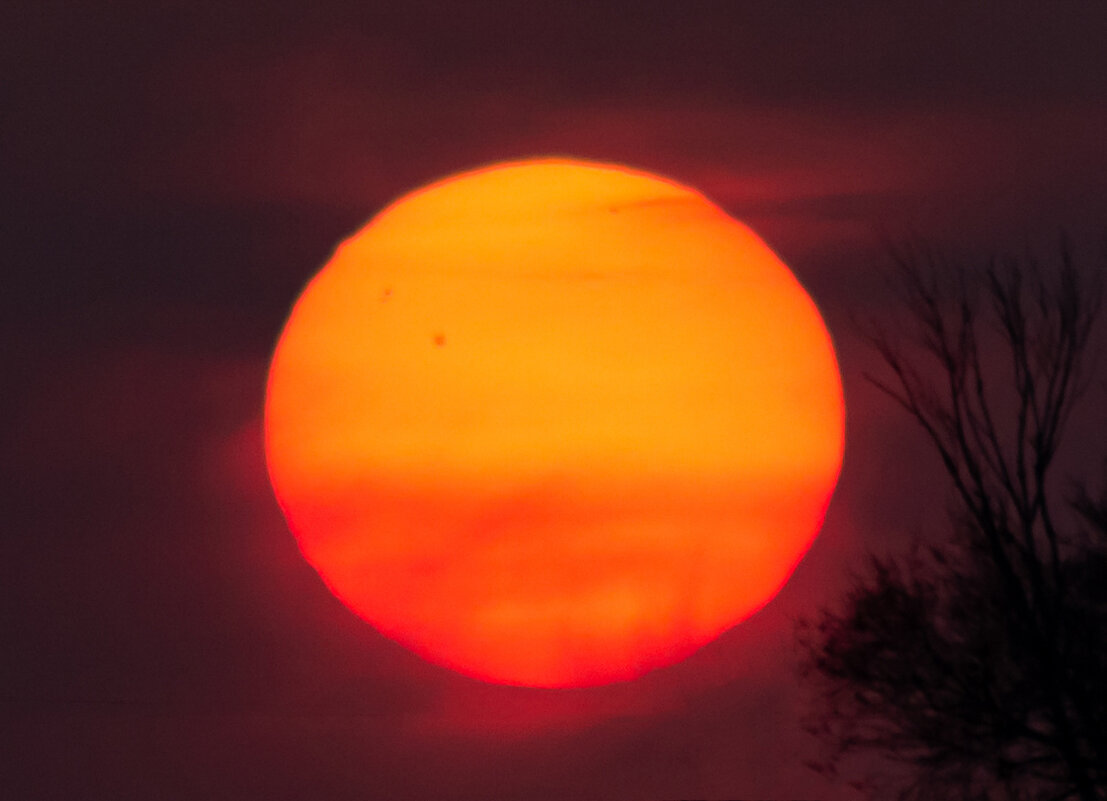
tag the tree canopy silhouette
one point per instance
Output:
(979, 664)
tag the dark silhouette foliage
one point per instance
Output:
(978, 665)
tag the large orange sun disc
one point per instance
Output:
(554, 423)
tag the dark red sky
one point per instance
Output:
(174, 173)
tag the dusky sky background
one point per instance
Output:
(173, 173)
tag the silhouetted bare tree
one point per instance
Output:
(980, 663)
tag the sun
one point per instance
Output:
(554, 423)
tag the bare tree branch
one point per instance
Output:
(982, 664)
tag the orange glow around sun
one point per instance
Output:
(554, 423)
